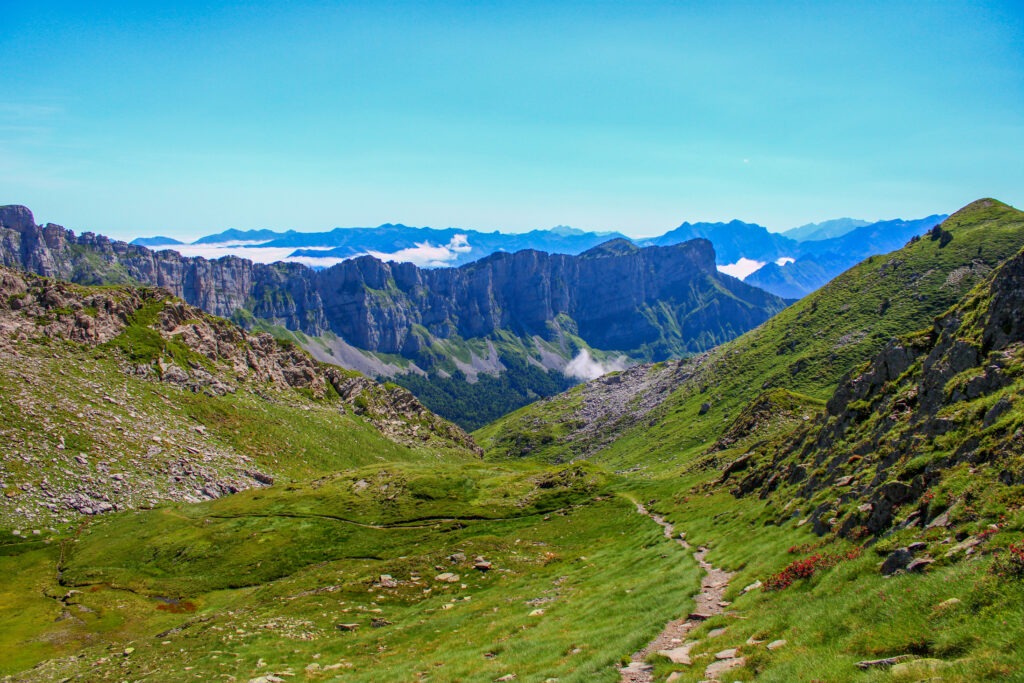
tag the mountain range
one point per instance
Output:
(820, 250)
(527, 313)
(834, 495)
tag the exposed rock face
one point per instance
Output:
(664, 300)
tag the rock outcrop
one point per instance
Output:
(926, 404)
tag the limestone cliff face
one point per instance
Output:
(652, 302)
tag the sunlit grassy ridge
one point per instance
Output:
(806, 348)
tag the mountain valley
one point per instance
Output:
(187, 499)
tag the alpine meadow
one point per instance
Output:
(540, 342)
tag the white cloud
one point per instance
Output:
(584, 367)
(742, 268)
(427, 255)
(423, 254)
(783, 260)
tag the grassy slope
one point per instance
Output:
(806, 348)
(255, 583)
(849, 612)
(66, 400)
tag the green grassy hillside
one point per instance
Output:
(820, 509)
(893, 525)
(806, 348)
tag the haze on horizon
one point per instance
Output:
(187, 119)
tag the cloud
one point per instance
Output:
(584, 367)
(423, 254)
(783, 260)
(426, 255)
(250, 250)
(742, 268)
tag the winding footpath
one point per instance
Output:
(672, 639)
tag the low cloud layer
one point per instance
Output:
(424, 254)
(584, 367)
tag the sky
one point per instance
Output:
(188, 118)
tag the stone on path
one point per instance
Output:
(776, 644)
(679, 655)
(715, 632)
(447, 577)
(731, 653)
(716, 669)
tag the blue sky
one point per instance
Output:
(189, 118)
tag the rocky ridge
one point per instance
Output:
(595, 414)
(651, 302)
(96, 446)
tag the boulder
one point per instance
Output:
(897, 560)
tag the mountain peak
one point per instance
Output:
(16, 217)
(615, 247)
(565, 230)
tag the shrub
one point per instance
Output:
(806, 568)
(1010, 565)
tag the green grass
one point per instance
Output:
(603, 575)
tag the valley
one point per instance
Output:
(830, 490)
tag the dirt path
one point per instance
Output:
(707, 603)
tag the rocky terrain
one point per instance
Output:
(927, 405)
(81, 441)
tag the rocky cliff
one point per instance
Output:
(652, 302)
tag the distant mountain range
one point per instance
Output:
(789, 264)
(824, 230)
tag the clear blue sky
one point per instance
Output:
(186, 118)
